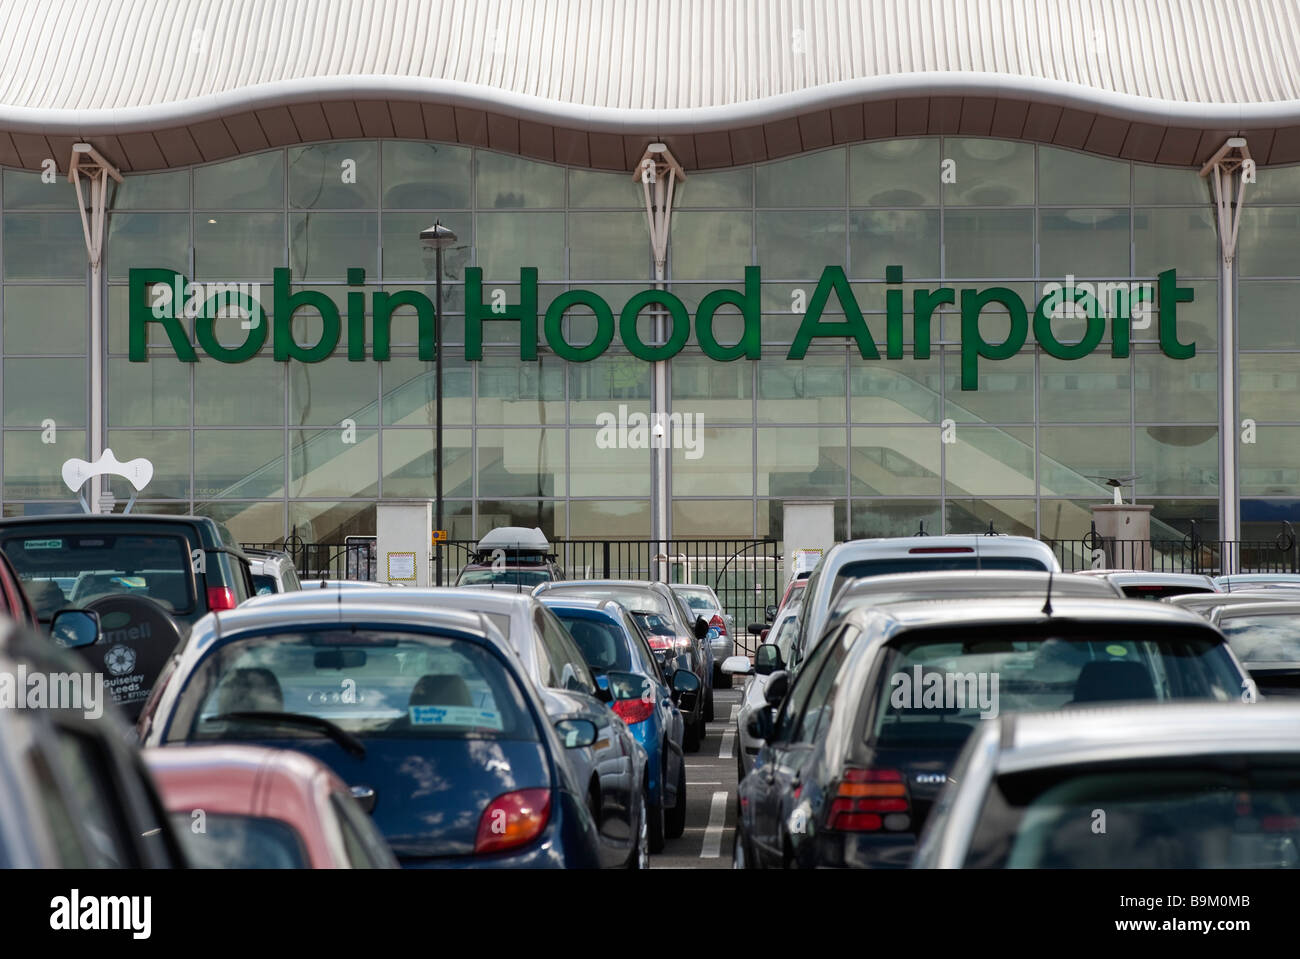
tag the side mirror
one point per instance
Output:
(770, 613)
(365, 797)
(685, 681)
(602, 681)
(767, 659)
(74, 628)
(576, 733)
(701, 627)
(757, 629)
(737, 666)
(759, 726)
(778, 684)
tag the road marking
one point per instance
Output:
(735, 712)
(718, 783)
(729, 737)
(713, 832)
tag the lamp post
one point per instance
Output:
(439, 238)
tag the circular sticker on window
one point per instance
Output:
(1116, 650)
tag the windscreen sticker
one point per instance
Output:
(456, 716)
(1117, 650)
(42, 544)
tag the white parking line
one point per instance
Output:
(728, 737)
(713, 832)
(735, 712)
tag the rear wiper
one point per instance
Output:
(340, 735)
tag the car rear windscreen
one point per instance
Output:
(931, 562)
(1198, 812)
(935, 686)
(603, 644)
(1264, 639)
(1156, 591)
(74, 569)
(504, 576)
(240, 842)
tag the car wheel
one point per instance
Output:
(675, 818)
(640, 857)
(708, 708)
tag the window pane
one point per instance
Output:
(1153, 184)
(1185, 240)
(411, 392)
(238, 246)
(1264, 243)
(45, 319)
(726, 188)
(908, 238)
(601, 469)
(1070, 457)
(1005, 393)
(721, 464)
(323, 463)
(322, 246)
(169, 190)
(425, 176)
(1014, 517)
(895, 391)
(326, 393)
(1267, 385)
(514, 392)
(239, 394)
(36, 390)
(591, 188)
(1068, 177)
(27, 191)
(137, 240)
(798, 245)
(989, 243)
(990, 460)
(1268, 314)
(548, 516)
(718, 392)
(704, 518)
(811, 390)
(521, 462)
(711, 246)
(33, 468)
(1096, 388)
(509, 241)
(884, 517)
(250, 182)
(1176, 391)
(44, 246)
(239, 463)
(605, 384)
(329, 523)
(340, 175)
(802, 462)
(1083, 243)
(411, 467)
(814, 179)
(896, 461)
(168, 450)
(1271, 465)
(511, 182)
(149, 394)
(1274, 185)
(894, 173)
(406, 258)
(989, 172)
(1178, 460)
(608, 519)
(608, 246)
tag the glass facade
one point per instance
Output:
(272, 448)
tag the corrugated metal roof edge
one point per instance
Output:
(665, 122)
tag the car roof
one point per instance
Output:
(982, 544)
(610, 607)
(895, 587)
(1236, 610)
(1259, 578)
(1140, 731)
(235, 779)
(421, 597)
(1210, 600)
(515, 537)
(1010, 610)
(1140, 577)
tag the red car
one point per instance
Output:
(247, 807)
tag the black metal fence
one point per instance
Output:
(745, 573)
(1192, 554)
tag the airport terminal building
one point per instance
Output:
(941, 264)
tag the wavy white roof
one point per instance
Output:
(566, 79)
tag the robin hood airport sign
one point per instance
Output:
(168, 299)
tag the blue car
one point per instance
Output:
(618, 653)
(425, 713)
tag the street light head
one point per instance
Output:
(437, 236)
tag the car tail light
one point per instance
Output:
(633, 711)
(221, 597)
(658, 642)
(513, 819)
(682, 643)
(870, 800)
(718, 624)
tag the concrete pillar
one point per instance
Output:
(403, 542)
(1125, 530)
(808, 525)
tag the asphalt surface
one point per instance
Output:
(710, 794)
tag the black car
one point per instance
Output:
(872, 725)
(74, 793)
(150, 578)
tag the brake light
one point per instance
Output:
(657, 642)
(870, 800)
(718, 624)
(513, 819)
(941, 549)
(633, 711)
(221, 597)
(682, 643)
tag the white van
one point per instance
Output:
(857, 558)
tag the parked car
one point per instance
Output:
(1206, 603)
(1252, 581)
(1171, 786)
(272, 571)
(385, 695)
(772, 656)
(1144, 584)
(793, 592)
(869, 730)
(513, 557)
(613, 766)
(702, 601)
(14, 601)
(242, 807)
(74, 794)
(342, 584)
(1266, 638)
(668, 624)
(618, 653)
(908, 554)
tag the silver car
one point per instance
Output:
(1174, 785)
(772, 656)
(272, 571)
(703, 601)
(1266, 638)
